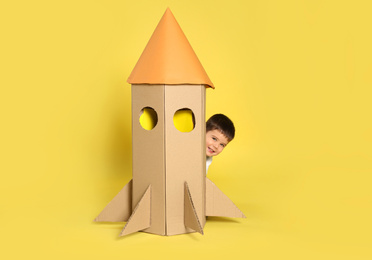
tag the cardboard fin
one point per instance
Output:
(119, 208)
(218, 204)
(191, 218)
(141, 216)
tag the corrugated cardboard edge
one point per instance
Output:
(218, 204)
(141, 217)
(120, 207)
(191, 217)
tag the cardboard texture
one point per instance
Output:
(169, 193)
(120, 208)
(167, 158)
(185, 155)
(191, 217)
(141, 217)
(148, 151)
(218, 204)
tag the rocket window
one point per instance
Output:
(184, 120)
(148, 118)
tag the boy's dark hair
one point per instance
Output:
(223, 124)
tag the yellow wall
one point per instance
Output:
(294, 76)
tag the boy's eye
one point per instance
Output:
(222, 145)
(214, 138)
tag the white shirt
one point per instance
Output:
(208, 162)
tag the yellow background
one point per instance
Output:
(295, 77)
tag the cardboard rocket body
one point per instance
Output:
(166, 158)
(169, 193)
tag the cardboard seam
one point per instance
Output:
(133, 164)
(203, 141)
(150, 204)
(165, 163)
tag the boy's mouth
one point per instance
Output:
(210, 150)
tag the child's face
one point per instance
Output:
(215, 142)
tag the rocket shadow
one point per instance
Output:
(221, 219)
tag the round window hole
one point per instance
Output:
(184, 120)
(148, 118)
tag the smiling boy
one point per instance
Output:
(220, 131)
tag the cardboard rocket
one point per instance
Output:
(169, 193)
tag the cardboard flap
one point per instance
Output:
(218, 204)
(191, 218)
(120, 207)
(141, 217)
